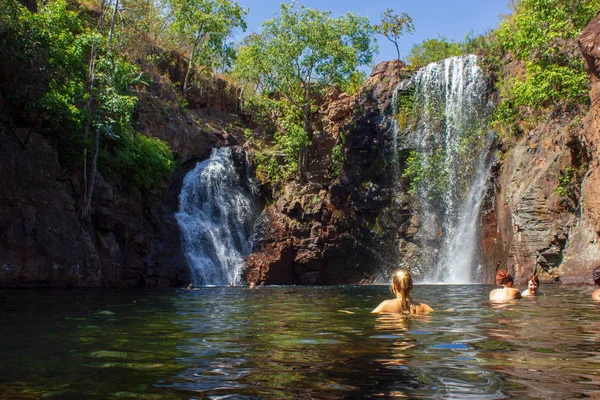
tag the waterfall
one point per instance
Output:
(217, 211)
(449, 164)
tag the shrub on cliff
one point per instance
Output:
(298, 53)
(432, 50)
(541, 36)
(63, 70)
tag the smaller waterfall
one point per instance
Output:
(217, 211)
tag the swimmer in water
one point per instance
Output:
(507, 292)
(533, 284)
(401, 286)
(596, 277)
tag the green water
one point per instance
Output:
(296, 342)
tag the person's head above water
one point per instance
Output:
(190, 286)
(504, 278)
(401, 282)
(533, 284)
(401, 286)
(596, 275)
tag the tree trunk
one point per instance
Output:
(303, 154)
(91, 105)
(89, 175)
(92, 176)
(112, 22)
(398, 54)
(190, 65)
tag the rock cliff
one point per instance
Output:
(132, 240)
(546, 213)
(333, 231)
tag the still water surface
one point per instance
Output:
(296, 342)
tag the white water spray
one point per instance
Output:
(450, 142)
(217, 211)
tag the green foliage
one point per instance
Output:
(278, 159)
(298, 53)
(406, 109)
(205, 26)
(145, 163)
(428, 173)
(337, 160)
(48, 54)
(353, 82)
(44, 69)
(393, 26)
(565, 180)
(290, 140)
(433, 50)
(541, 34)
(303, 48)
(552, 82)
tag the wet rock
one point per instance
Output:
(534, 227)
(327, 225)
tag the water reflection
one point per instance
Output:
(294, 342)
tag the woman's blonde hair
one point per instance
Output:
(401, 285)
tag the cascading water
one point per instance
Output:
(449, 164)
(217, 211)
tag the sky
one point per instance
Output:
(453, 19)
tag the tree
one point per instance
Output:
(542, 34)
(393, 26)
(432, 50)
(205, 25)
(299, 52)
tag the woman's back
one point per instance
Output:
(396, 306)
(506, 293)
(402, 304)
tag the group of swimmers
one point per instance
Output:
(402, 284)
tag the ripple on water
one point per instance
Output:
(293, 342)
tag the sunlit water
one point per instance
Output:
(296, 342)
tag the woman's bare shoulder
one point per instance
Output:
(384, 307)
(422, 308)
(514, 293)
(505, 294)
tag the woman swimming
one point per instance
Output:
(401, 286)
(533, 284)
(596, 277)
(507, 292)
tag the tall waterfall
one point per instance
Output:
(450, 164)
(217, 211)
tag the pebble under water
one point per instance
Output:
(296, 342)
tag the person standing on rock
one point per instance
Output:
(401, 286)
(507, 292)
(533, 284)
(596, 277)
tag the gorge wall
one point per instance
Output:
(542, 212)
(133, 240)
(546, 210)
(338, 230)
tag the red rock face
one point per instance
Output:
(309, 241)
(131, 241)
(584, 248)
(322, 232)
(538, 229)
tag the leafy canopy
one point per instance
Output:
(205, 26)
(393, 26)
(47, 55)
(298, 53)
(433, 50)
(541, 34)
(303, 46)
